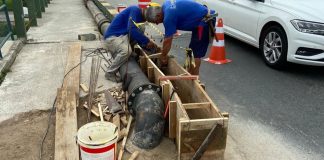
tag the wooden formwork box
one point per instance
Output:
(192, 113)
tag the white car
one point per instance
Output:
(283, 30)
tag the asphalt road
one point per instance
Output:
(274, 114)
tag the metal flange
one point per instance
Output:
(138, 90)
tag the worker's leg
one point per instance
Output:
(120, 49)
(199, 44)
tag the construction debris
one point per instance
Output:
(84, 88)
(113, 106)
(134, 155)
(121, 151)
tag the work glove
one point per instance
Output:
(158, 49)
(164, 60)
(151, 45)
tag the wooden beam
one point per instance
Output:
(84, 88)
(172, 119)
(166, 92)
(72, 68)
(116, 121)
(66, 126)
(67, 100)
(150, 74)
(134, 155)
(143, 63)
(176, 77)
(121, 151)
(201, 124)
(196, 105)
(94, 110)
(156, 55)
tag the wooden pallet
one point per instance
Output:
(192, 113)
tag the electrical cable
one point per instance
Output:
(53, 106)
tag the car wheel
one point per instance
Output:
(274, 47)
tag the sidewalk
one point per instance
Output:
(38, 70)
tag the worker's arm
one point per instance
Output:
(167, 43)
(170, 23)
(134, 31)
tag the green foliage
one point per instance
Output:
(8, 2)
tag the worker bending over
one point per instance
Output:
(186, 15)
(120, 33)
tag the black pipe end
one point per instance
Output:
(151, 87)
(149, 125)
(148, 130)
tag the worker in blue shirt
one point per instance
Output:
(186, 15)
(118, 35)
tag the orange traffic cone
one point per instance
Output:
(217, 53)
(143, 3)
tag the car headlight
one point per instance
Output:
(308, 27)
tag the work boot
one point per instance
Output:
(112, 76)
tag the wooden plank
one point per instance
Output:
(201, 124)
(94, 110)
(66, 126)
(107, 117)
(124, 121)
(178, 139)
(143, 63)
(181, 112)
(121, 151)
(196, 105)
(134, 155)
(150, 74)
(178, 77)
(172, 119)
(116, 121)
(156, 55)
(157, 72)
(66, 115)
(72, 68)
(84, 88)
(166, 92)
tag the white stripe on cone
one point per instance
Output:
(143, 3)
(219, 30)
(220, 43)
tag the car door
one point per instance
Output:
(242, 19)
(223, 8)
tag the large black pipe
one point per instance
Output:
(144, 101)
(99, 17)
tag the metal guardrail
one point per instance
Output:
(35, 9)
(6, 36)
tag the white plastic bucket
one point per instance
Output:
(97, 141)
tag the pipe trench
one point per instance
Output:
(144, 101)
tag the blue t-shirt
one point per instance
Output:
(122, 24)
(182, 15)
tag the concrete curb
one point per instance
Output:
(8, 60)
